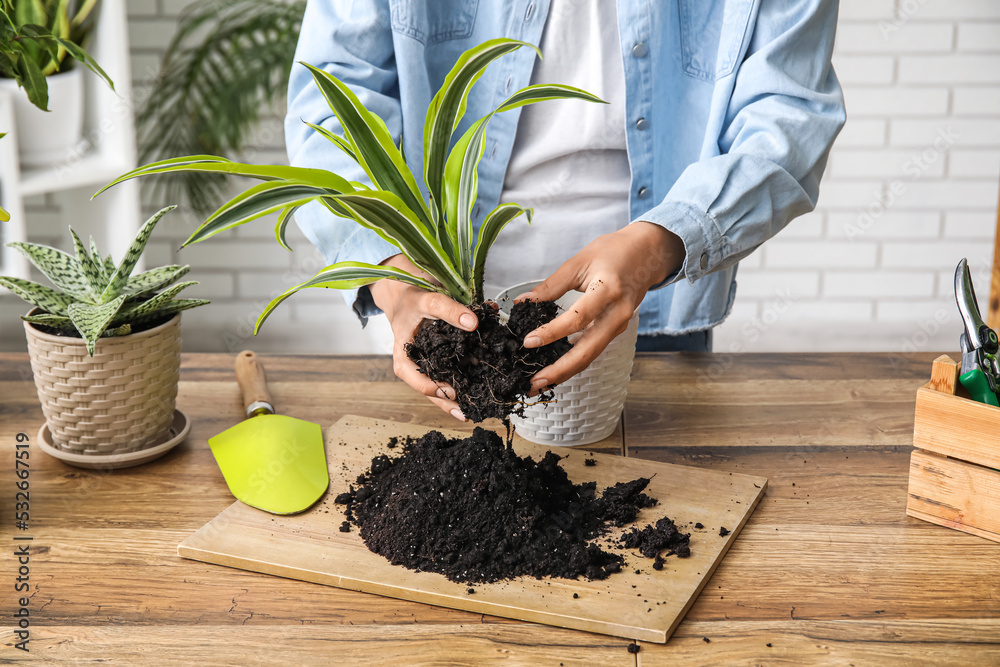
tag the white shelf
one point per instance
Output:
(95, 170)
(109, 126)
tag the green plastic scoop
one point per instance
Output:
(272, 462)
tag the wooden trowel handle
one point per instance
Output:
(253, 384)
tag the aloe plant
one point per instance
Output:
(435, 233)
(94, 297)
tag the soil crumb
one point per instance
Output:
(489, 368)
(590, 463)
(655, 538)
(723, 531)
(476, 512)
(633, 648)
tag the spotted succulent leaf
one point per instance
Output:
(62, 269)
(89, 267)
(152, 280)
(154, 305)
(170, 308)
(123, 330)
(46, 298)
(91, 320)
(121, 274)
(49, 320)
(101, 264)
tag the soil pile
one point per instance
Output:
(489, 368)
(473, 510)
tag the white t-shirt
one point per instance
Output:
(569, 160)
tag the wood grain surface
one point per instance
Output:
(828, 569)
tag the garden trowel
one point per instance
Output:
(272, 462)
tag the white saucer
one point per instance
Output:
(175, 435)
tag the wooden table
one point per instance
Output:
(827, 570)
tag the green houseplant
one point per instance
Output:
(39, 37)
(435, 233)
(40, 41)
(104, 344)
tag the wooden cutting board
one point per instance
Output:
(647, 605)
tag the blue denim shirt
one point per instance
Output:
(740, 97)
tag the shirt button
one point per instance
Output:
(644, 192)
(704, 261)
(642, 124)
(639, 50)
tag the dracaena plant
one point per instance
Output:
(38, 37)
(93, 296)
(435, 233)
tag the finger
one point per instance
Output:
(450, 407)
(441, 307)
(563, 280)
(576, 318)
(407, 371)
(582, 354)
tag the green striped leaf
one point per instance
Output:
(220, 165)
(461, 187)
(91, 271)
(119, 278)
(546, 91)
(62, 269)
(153, 305)
(46, 298)
(347, 275)
(91, 320)
(335, 139)
(461, 183)
(494, 223)
(384, 213)
(152, 280)
(373, 145)
(256, 202)
(282, 225)
(448, 106)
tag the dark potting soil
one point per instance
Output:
(489, 368)
(656, 538)
(473, 510)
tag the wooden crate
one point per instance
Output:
(955, 466)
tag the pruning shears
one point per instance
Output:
(980, 372)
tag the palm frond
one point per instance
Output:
(227, 61)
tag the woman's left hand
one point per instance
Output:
(614, 272)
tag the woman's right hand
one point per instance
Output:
(407, 306)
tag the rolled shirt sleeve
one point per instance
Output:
(784, 113)
(352, 40)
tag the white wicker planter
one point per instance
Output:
(588, 406)
(120, 400)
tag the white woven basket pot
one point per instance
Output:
(587, 407)
(120, 400)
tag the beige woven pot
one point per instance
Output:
(120, 400)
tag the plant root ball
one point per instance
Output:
(489, 368)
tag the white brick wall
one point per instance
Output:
(870, 269)
(897, 210)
